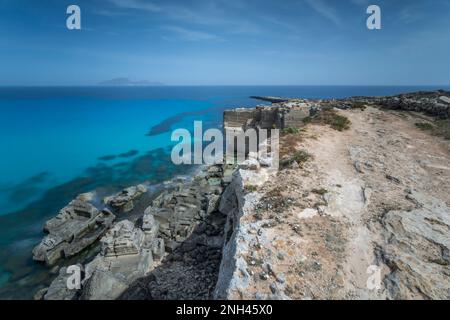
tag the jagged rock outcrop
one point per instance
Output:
(432, 103)
(190, 271)
(58, 289)
(285, 113)
(130, 251)
(77, 226)
(178, 210)
(127, 254)
(123, 201)
(418, 250)
(192, 228)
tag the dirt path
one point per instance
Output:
(372, 201)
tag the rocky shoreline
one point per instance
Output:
(186, 243)
(159, 234)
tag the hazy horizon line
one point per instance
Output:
(221, 85)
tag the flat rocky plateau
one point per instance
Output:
(377, 194)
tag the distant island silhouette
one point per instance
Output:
(128, 82)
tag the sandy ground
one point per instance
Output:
(366, 218)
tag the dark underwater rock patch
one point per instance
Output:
(127, 154)
(27, 277)
(107, 158)
(166, 125)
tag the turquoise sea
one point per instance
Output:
(58, 142)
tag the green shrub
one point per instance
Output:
(439, 128)
(290, 130)
(333, 119)
(300, 156)
(250, 188)
(424, 126)
(339, 123)
(320, 191)
(307, 120)
(359, 105)
(443, 128)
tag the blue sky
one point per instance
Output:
(225, 42)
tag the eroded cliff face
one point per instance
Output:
(236, 204)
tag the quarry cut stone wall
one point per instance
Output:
(294, 117)
(283, 115)
(238, 117)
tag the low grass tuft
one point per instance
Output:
(299, 156)
(336, 121)
(331, 118)
(359, 105)
(438, 128)
(290, 130)
(320, 191)
(424, 126)
(307, 120)
(250, 188)
(443, 128)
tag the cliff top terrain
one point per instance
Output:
(362, 190)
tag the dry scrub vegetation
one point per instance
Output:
(438, 127)
(290, 137)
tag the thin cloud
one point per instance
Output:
(137, 5)
(207, 14)
(325, 10)
(410, 14)
(109, 13)
(279, 22)
(190, 35)
(361, 2)
(211, 15)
